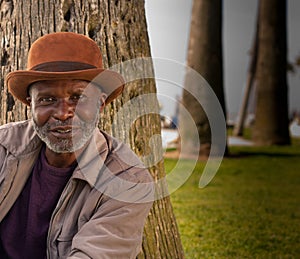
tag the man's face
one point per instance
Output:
(65, 112)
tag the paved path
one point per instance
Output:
(169, 136)
(238, 141)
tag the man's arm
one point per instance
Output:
(115, 231)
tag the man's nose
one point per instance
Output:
(64, 110)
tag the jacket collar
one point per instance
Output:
(93, 158)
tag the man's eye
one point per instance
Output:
(46, 100)
(79, 98)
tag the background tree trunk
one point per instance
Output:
(119, 27)
(243, 112)
(205, 55)
(271, 117)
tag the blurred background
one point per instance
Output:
(168, 28)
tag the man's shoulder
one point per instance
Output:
(124, 176)
(124, 162)
(15, 125)
(16, 136)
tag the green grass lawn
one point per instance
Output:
(251, 209)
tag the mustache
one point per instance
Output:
(68, 122)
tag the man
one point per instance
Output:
(68, 190)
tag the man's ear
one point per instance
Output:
(102, 99)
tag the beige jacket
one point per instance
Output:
(102, 209)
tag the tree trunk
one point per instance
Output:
(204, 56)
(120, 29)
(239, 126)
(271, 118)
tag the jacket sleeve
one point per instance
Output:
(114, 231)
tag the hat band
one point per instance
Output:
(62, 66)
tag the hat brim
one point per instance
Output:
(112, 83)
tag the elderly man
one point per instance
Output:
(67, 189)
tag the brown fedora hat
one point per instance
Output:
(64, 55)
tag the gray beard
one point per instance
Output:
(67, 145)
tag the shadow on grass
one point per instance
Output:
(244, 154)
(266, 151)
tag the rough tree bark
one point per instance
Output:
(119, 27)
(271, 116)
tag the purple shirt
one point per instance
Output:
(23, 232)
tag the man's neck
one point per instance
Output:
(61, 160)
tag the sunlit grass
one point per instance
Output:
(251, 209)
